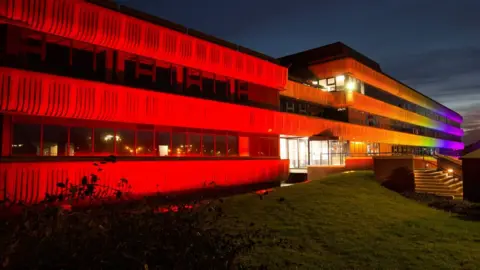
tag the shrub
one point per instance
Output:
(149, 234)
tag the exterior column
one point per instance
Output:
(179, 80)
(109, 65)
(232, 93)
(5, 135)
(120, 67)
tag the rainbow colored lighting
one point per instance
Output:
(372, 77)
(364, 103)
(31, 93)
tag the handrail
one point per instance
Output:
(459, 177)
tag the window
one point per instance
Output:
(179, 140)
(208, 85)
(55, 141)
(162, 143)
(207, 145)
(104, 140)
(194, 145)
(232, 146)
(145, 143)
(220, 145)
(80, 141)
(221, 88)
(125, 142)
(26, 139)
(373, 148)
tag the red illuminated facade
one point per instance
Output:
(180, 109)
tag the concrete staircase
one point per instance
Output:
(438, 183)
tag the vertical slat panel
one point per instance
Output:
(79, 20)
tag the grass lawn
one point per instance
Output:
(348, 221)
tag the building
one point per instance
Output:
(388, 116)
(80, 80)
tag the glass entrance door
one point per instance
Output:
(293, 152)
(296, 152)
(302, 153)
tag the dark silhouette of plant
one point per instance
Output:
(160, 232)
(89, 187)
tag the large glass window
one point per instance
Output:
(55, 140)
(208, 145)
(283, 148)
(220, 145)
(80, 141)
(125, 142)
(85, 141)
(179, 141)
(373, 148)
(319, 153)
(194, 145)
(232, 146)
(104, 140)
(145, 143)
(26, 139)
(162, 143)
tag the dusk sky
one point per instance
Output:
(433, 46)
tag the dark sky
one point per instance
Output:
(433, 46)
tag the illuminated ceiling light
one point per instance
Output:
(351, 86)
(315, 82)
(340, 78)
(108, 137)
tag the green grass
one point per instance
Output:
(348, 221)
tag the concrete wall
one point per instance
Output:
(451, 163)
(471, 179)
(424, 163)
(360, 163)
(395, 172)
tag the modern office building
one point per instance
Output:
(80, 80)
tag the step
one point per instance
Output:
(455, 185)
(455, 196)
(425, 170)
(432, 175)
(437, 191)
(445, 181)
(434, 187)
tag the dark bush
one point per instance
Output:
(154, 233)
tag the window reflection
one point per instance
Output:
(125, 142)
(194, 146)
(55, 140)
(80, 141)
(145, 143)
(104, 141)
(232, 146)
(220, 145)
(86, 141)
(178, 143)
(26, 139)
(208, 145)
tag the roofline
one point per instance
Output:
(180, 28)
(388, 76)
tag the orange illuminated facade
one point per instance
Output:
(180, 109)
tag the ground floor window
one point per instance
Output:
(51, 137)
(373, 149)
